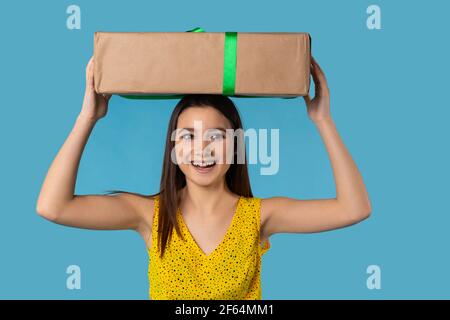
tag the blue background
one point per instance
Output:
(387, 98)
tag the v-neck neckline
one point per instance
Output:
(225, 237)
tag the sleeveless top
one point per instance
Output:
(231, 271)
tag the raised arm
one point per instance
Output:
(57, 201)
(351, 204)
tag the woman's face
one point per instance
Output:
(203, 148)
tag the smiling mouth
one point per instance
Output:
(203, 165)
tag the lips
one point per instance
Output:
(203, 167)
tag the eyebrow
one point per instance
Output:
(192, 129)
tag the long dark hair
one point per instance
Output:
(173, 179)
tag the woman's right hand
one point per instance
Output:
(319, 107)
(95, 106)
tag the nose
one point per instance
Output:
(201, 149)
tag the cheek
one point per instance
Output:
(222, 150)
(182, 153)
(183, 157)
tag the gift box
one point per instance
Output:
(263, 64)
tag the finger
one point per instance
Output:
(317, 65)
(107, 96)
(319, 76)
(90, 80)
(318, 69)
(314, 74)
(89, 64)
(90, 75)
(307, 99)
(90, 60)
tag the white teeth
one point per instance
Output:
(203, 164)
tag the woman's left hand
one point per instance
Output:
(319, 107)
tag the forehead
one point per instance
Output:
(209, 117)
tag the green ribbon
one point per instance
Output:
(198, 29)
(229, 72)
(229, 63)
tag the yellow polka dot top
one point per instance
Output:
(231, 271)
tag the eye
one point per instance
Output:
(186, 136)
(217, 136)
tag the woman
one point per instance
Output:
(222, 230)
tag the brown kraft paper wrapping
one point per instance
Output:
(164, 63)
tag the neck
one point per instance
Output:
(205, 200)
